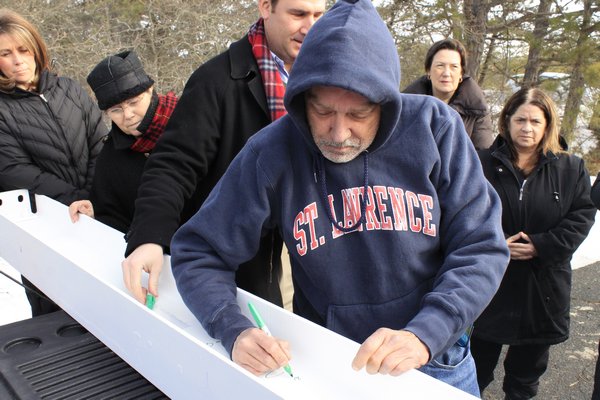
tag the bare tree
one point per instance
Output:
(536, 43)
(475, 15)
(577, 83)
(172, 37)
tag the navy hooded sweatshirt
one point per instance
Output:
(429, 252)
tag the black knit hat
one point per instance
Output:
(118, 78)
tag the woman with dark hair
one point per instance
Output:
(547, 213)
(445, 79)
(50, 129)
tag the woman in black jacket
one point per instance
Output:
(445, 79)
(139, 116)
(547, 213)
(50, 129)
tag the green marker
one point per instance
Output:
(263, 327)
(150, 300)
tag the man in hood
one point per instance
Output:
(394, 233)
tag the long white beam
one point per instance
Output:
(78, 266)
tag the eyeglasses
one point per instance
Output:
(119, 109)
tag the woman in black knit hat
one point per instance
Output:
(139, 116)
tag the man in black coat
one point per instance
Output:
(225, 101)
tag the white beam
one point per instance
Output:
(78, 266)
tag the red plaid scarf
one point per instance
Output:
(146, 142)
(274, 88)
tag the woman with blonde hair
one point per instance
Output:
(50, 129)
(547, 213)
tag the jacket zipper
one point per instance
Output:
(507, 164)
(521, 190)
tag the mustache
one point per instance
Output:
(345, 143)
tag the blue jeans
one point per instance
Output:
(455, 367)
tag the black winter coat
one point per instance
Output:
(119, 173)
(596, 192)
(49, 140)
(223, 104)
(469, 102)
(553, 207)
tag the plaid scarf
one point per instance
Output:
(274, 88)
(146, 142)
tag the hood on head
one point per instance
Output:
(351, 48)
